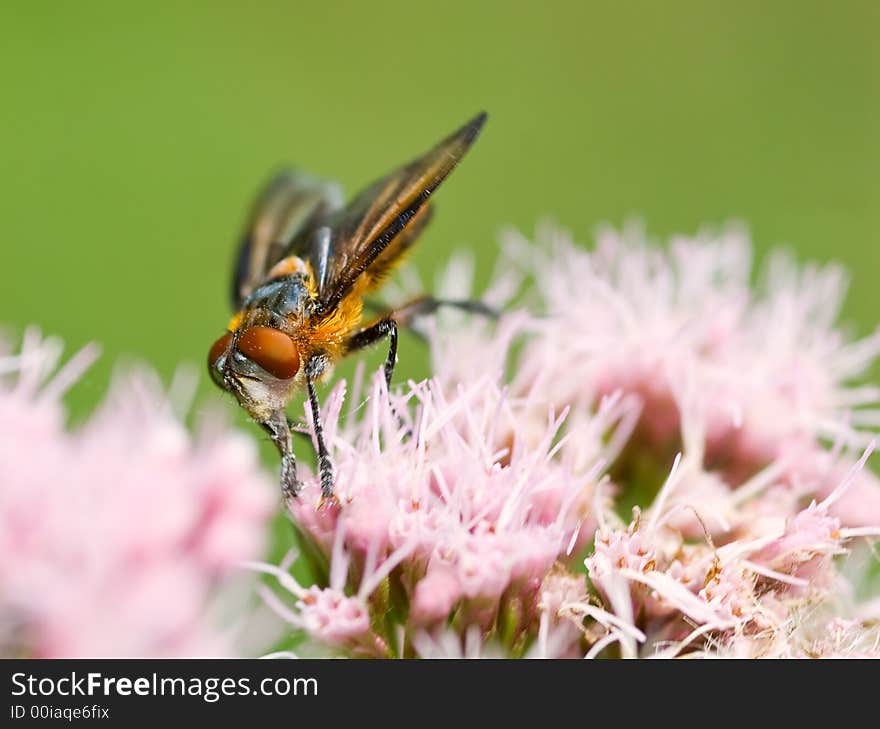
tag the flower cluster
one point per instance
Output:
(443, 516)
(119, 538)
(657, 460)
(644, 456)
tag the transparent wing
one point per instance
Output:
(282, 217)
(356, 236)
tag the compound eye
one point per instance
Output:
(218, 349)
(271, 349)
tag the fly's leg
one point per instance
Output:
(282, 437)
(385, 327)
(388, 325)
(426, 305)
(279, 432)
(325, 467)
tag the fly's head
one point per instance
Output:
(259, 365)
(257, 359)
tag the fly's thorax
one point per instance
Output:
(281, 300)
(329, 331)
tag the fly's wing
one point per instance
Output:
(356, 237)
(284, 212)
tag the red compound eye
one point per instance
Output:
(218, 348)
(271, 349)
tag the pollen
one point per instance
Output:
(235, 322)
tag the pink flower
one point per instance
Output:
(119, 537)
(332, 616)
(329, 615)
(745, 596)
(681, 329)
(483, 515)
(650, 381)
(435, 594)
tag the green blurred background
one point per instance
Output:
(133, 136)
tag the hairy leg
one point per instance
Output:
(387, 325)
(325, 467)
(279, 432)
